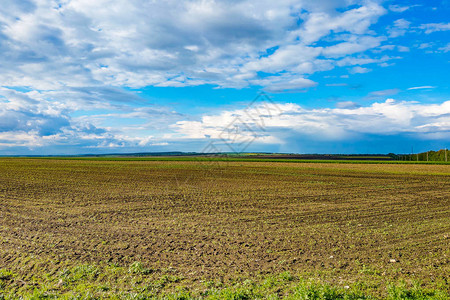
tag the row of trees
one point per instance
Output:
(441, 155)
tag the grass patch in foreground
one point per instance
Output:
(109, 281)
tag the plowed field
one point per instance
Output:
(341, 224)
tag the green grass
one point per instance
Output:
(106, 281)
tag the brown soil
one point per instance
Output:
(338, 222)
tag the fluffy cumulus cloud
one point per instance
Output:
(34, 120)
(288, 123)
(50, 44)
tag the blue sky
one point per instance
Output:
(340, 76)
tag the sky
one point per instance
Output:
(290, 76)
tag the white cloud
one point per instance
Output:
(79, 43)
(287, 58)
(399, 28)
(285, 83)
(398, 8)
(421, 87)
(351, 61)
(425, 45)
(384, 65)
(347, 105)
(357, 21)
(383, 93)
(354, 45)
(386, 47)
(359, 70)
(402, 49)
(382, 118)
(433, 27)
(30, 119)
(445, 48)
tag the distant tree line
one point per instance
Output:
(441, 155)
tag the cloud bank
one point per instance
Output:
(344, 124)
(51, 45)
(29, 120)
